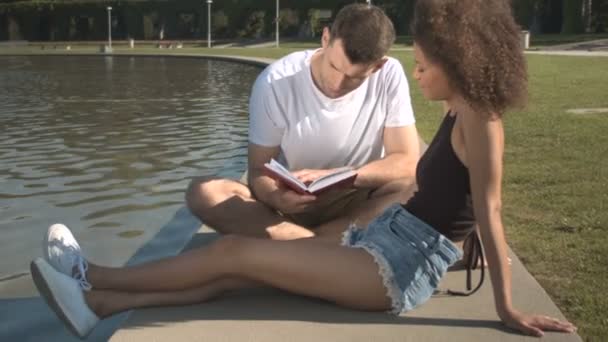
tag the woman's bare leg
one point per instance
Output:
(346, 276)
(108, 302)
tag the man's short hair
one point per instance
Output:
(366, 33)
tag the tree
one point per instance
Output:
(254, 25)
(572, 16)
(599, 16)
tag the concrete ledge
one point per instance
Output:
(14, 43)
(272, 315)
(256, 61)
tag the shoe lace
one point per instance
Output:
(80, 266)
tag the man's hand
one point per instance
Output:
(326, 197)
(310, 175)
(288, 201)
(535, 324)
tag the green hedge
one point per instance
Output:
(51, 20)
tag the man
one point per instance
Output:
(345, 104)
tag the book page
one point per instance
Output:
(331, 178)
(284, 172)
(337, 177)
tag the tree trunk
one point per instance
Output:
(587, 12)
(572, 14)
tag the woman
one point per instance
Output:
(467, 55)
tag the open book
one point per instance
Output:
(343, 177)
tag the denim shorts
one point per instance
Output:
(412, 256)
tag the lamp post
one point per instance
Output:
(209, 2)
(277, 25)
(109, 8)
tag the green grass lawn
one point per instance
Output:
(556, 183)
(556, 177)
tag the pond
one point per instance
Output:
(107, 145)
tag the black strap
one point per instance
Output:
(475, 258)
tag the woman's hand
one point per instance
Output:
(535, 324)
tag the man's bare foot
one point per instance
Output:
(288, 231)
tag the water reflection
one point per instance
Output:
(108, 144)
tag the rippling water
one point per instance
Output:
(107, 145)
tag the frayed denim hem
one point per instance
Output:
(384, 269)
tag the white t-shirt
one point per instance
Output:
(313, 131)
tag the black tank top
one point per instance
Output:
(443, 199)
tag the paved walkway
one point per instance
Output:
(593, 48)
(591, 45)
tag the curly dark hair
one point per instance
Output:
(477, 44)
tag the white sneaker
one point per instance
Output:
(62, 251)
(65, 296)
